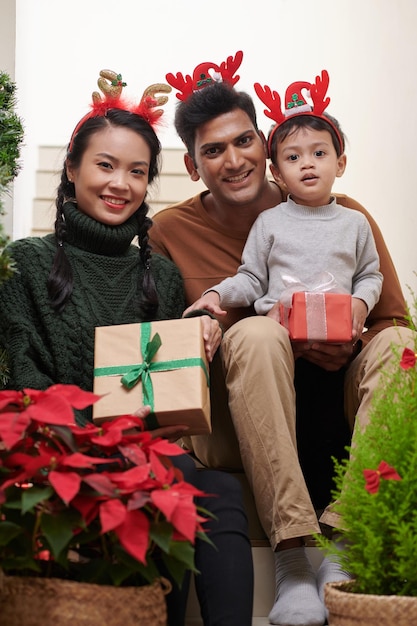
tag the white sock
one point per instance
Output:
(330, 571)
(297, 602)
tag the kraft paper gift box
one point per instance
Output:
(161, 364)
(318, 317)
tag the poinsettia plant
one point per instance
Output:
(376, 490)
(95, 504)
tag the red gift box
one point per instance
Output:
(318, 317)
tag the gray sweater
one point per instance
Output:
(303, 242)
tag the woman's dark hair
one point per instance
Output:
(206, 104)
(292, 124)
(60, 281)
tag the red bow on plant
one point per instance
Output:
(373, 477)
(408, 359)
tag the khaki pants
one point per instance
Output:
(253, 418)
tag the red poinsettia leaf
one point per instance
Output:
(124, 422)
(138, 500)
(166, 500)
(110, 439)
(134, 454)
(74, 396)
(30, 464)
(100, 483)
(184, 514)
(49, 409)
(12, 426)
(10, 397)
(131, 479)
(82, 460)
(113, 432)
(66, 484)
(86, 432)
(164, 447)
(133, 534)
(87, 506)
(408, 359)
(16, 478)
(112, 514)
(162, 473)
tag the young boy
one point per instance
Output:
(310, 233)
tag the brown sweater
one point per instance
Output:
(206, 253)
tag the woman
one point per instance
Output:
(90, 273)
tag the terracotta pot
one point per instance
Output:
(356, 609)
(27, 601)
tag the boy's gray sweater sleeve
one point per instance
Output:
(251, 280)
(367, 281)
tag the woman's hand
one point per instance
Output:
(212, 335)
(172, 433)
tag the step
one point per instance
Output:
(264, 586)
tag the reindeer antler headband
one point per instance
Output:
(111, 85)
(295, 103)
(204, 74)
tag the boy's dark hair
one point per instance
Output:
(60, 281)
(206, 104)
(292, 124)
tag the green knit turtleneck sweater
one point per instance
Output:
(45, 347)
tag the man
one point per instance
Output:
(253, 392)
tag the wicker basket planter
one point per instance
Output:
(27, 601)
(355, 609)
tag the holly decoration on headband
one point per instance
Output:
(205, 74)
(111, 85)
(118, 81)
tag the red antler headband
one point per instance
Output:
(295, 103)
(204, 74)
(112, 92)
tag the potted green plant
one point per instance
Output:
(99, 510)
(11, 137)
(376, 496)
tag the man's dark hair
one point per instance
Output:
(206, 104)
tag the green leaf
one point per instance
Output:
(161, 534)
(33, 496)
(59, 529)
(8, 531)
(176, 569)
(183, 551)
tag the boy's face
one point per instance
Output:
(230, 158)
(307, 163)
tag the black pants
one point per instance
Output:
(224, 585)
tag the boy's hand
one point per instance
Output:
(210, 301)
(359, 314)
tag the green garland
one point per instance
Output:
(11, 137)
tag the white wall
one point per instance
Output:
(369, 48)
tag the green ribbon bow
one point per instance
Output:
(132, 374)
